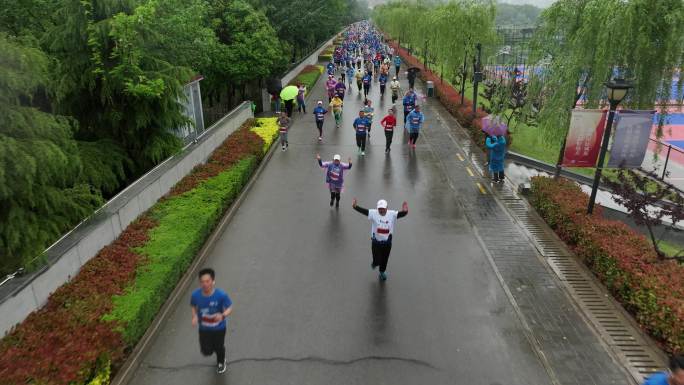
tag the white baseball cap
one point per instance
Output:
(320, 102)
(382, 204)
(337, 157)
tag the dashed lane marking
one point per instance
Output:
(481, 187)
(460, 157)
(470, 172)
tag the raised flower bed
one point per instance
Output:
(89, 324)
(651, 289)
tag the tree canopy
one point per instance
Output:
(580, 44)
(92, 90)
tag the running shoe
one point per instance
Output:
(221, 368)
(373, 266)
(383, 276)
(320, 139)
(363, 153)
(283, 148)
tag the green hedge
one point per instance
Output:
(651, 289)
(185, 221)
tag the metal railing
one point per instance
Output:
(666, 160)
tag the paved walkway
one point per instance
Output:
(309, 310)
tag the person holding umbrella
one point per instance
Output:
(334, 176)
(382, 229)
(497, 146)
(412, 73)
(288, 95)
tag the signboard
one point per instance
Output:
(584, 138)
(631, 139)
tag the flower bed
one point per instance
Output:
(448, 96)
(89, 324)
(622, 259)
(326, 55)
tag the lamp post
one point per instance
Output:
(617, 90)
(477, 76)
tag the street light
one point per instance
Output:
(617, 90)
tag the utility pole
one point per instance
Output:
(477, 76)
(463, 76)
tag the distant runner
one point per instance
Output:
(361, 127)
(396, 89)
(415, 122)
(319, 115)
(283, 128)
(388, 123)
(336, 106)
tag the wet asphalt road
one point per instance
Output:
(307, 307)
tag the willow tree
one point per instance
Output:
(581, 44)
(451, 29)
(40, 169)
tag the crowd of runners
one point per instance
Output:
(364, 58)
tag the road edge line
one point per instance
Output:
(131, 364)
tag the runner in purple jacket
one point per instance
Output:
(334, 176)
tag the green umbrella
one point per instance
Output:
(289, 92)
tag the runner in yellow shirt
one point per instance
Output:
(336, 105)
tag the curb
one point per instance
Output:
(124, 374)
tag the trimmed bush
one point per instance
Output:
(622, 259)
(90, 323)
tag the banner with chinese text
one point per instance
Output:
(632, 133)
(584, 138)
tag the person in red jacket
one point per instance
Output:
(388, 123)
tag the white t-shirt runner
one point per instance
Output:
(382, 226)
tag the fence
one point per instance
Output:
(667, 161)
(21, 294)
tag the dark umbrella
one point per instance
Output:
(413, 71)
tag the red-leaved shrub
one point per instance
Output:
(622, 259)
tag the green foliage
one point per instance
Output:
(105, 165)
(119, 72)
(184, 223)
(581, 44)
(653, 290)
(448, 30)
(40, 168)
(516, 14)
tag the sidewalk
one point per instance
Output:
(570, 347)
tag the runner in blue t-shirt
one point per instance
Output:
(361, 128)
(319, 115)
(210, 308)
(675, 376)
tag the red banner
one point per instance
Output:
(584, 138)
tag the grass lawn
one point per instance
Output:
(671, 249)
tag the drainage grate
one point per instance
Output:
(626, 341)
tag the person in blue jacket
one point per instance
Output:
(409, 102)
(674, 376)
(497, 154)
(319, 115)
(415, 122)
(331, 68)
(361, 128)
(350, 76)
(383, 83)
(367, 79)
(397, 64)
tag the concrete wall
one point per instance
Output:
(66, 256)
(310, 60)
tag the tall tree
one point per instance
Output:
(583, 43)
(40, 167)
